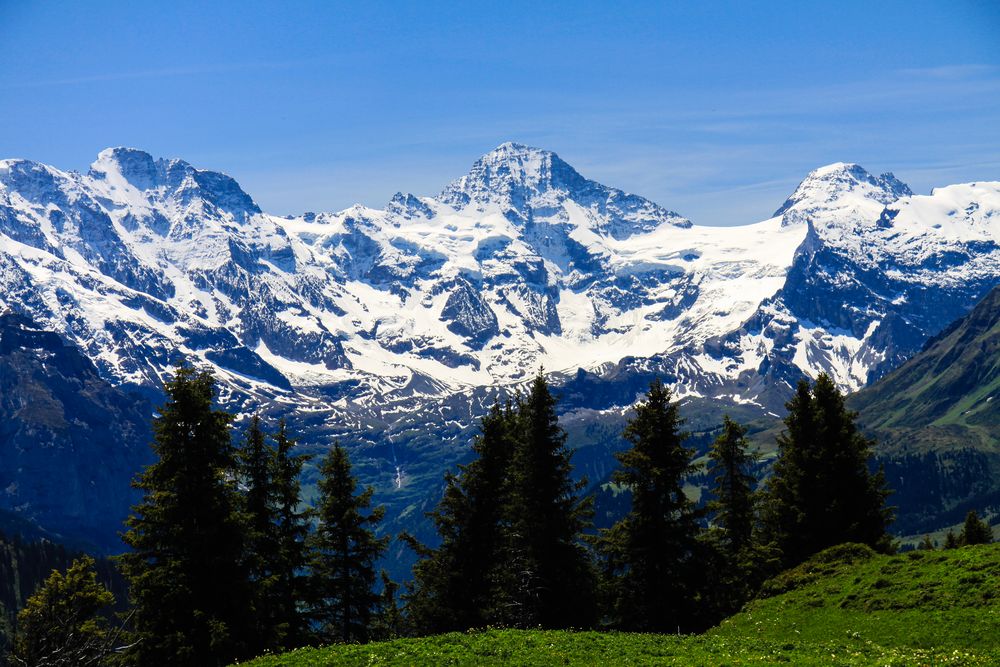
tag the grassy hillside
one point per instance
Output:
(921, 599)
(537, 647)
(847, 606)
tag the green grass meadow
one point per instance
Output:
(847, 606)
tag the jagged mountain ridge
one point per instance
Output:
(521, 263)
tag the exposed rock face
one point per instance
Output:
(69, 441)
(468, 316)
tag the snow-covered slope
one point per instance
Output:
(520, 264)
(880, 270)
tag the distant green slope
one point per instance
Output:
(847, 606)
(947, 393)
(937, 422)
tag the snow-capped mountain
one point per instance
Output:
(879, 271)
(520, 264)
(392, 328)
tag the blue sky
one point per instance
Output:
(715, 110)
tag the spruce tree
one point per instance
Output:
(344, 552)
(821, 492)
(975, 530)
(950, 540)
(731, 469)
(389, 623)
(188, 583)
(257, 474)
(457, 585)
(292, 523)
(63, 623)
(650, 554)
(788, 489)
(739, 561)
(548, 573)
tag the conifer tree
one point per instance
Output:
(731, 469)
(740, 561)
(650, 553)
(389, 623)
(950, 540)
(789, 488)
(292, 524)
(510, 524)
(821, 492)
(926, 544)
(188, 583)
(457, 585)
(262, 551)
(975, 530)
(344, 552)
(548, 574)
(62, 624)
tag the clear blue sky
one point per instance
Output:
(715, 110)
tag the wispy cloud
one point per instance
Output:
(953, 71)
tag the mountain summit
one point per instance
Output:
(531, 182)
(836, 180)
(514, 173)
(841, 187)
(173, 181)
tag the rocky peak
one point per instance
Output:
(136, 167)
(32, 180)
(831, 185)
(513, 174)
(408, 206)
(530, 183)
(174, 178)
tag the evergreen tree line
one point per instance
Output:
(517, 549)
(974, 531)
(511, 525)
(226, 563)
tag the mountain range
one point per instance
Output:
(391, 328)
(520, 264)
